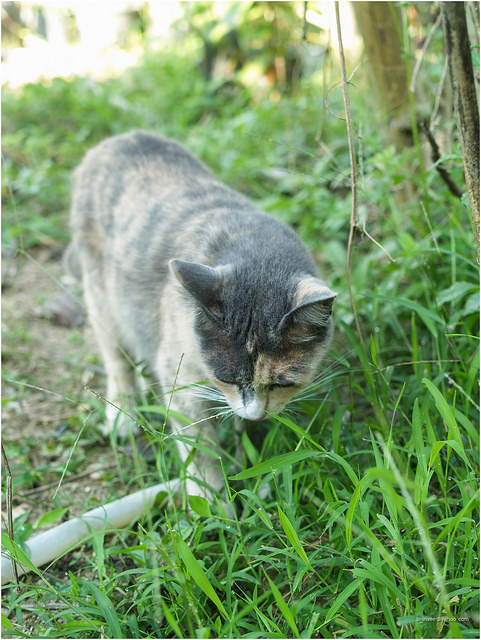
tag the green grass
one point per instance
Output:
(371, 526)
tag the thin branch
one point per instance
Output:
(352, 157)
(411, 362)
(419, 61)
(364, 230)
(439, 93)
(45, 487)
(439, 166)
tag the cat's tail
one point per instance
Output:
(71, 262)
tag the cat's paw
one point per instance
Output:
(118, 423)
(264, 491)
(192, 488)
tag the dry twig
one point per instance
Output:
(419, 61)
(9, 507)
(352, 156)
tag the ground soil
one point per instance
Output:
(50, 375)
(48, 370)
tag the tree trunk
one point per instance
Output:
(376, 22)
(465, 101)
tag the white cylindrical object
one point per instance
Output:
(49, 545)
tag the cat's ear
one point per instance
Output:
(311, 309)
(202, 282)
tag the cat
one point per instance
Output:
(185, 275)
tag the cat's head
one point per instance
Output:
(261, 339)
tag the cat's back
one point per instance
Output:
(139, 150)
(140, 196)
(117, 165)
(122, 190)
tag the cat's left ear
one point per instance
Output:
(202, 282)
(312, 303)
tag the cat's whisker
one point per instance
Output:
(207, 393)
(313, 390)
(220, 411)
(289, 411)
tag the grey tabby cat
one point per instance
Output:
(184, 274)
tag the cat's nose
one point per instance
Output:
(251, 415)
(253, 410)
(256, 417)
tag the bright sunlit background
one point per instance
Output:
(102, 39)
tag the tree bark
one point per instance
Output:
(465, 101)
(376, 22)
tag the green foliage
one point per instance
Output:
(370, 528)
(249, 37)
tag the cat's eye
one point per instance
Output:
(281, 385)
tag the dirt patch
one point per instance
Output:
(48, 371)
(57, 456)
(51, 378)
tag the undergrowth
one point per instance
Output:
(370, 528)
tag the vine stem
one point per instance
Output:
(6, 466)
(352, 158)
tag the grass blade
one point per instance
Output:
(197, 573)
(293, 537)
(171, 620)
(107, 609)
(200, 506)
(286, 612)
(257, 507)
(371, 476)
(273, 464)
(17, 554)
(445, 411)
(341, 598)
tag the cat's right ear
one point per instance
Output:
(202, 282)
(311, 312)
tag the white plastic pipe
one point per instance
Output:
(51, 544)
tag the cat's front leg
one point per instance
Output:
(121, 374)
(120, 399)
(240, 425)
(204, 474)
